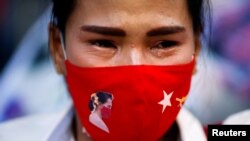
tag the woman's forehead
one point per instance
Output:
(133, 5)
(117, 12)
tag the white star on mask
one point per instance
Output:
(166, 100)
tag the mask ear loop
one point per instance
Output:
(195, 67)
(63, 46)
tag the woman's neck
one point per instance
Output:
(173, 134)
(77, 129)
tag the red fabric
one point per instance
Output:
(136, 114)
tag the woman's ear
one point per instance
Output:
(56, 51)
(197, 46)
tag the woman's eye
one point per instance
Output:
(103, 43)
(165, 44)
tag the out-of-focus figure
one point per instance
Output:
(230, 42)
(224, 75)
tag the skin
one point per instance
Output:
(125, 32)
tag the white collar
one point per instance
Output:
(190, 127)
(56, 126)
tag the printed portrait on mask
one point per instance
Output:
(100, 106)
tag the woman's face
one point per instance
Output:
(128, 32)
(107, 104)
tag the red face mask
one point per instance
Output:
(145, 99)
(106, 112)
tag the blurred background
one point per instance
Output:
(30, 85)
(28, 82)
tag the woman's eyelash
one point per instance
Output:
(103, 43)
(166, 44)
(110, 44)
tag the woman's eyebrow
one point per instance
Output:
(110, 31)
(166, 30)
(113, 31)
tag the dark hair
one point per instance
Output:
(198, 9)
(61, 11)
(99, 98)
